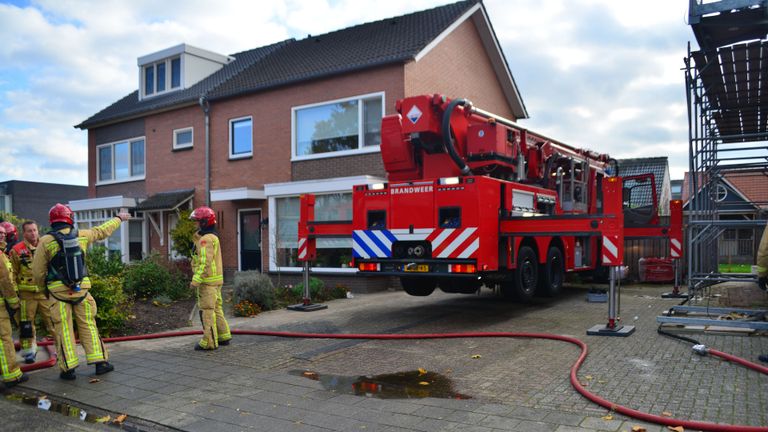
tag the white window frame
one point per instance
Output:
(176, 145)
(168, 76)
(233, 156)
(361, 149)
(100, 182)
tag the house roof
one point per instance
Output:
(389, 41)
(166, 200)
(750, 185)
(658, 166)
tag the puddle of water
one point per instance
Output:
(400, 385)
(46, 404)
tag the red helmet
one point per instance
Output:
(60, 213)
(204, 214)
(10, 230)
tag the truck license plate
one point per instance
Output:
(419, 268)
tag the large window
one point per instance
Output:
(331, 252)
(158, 74)
(240, 137)
(338, 127)
(120, 161)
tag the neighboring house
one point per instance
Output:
(33, 200)
(676, 187)
(252, 131)
(738, 195)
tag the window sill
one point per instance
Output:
(129, 180)
(178, 149)
(239, 157)
(344, 153)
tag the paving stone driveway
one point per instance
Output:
(515, 384)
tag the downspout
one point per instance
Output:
(206, 106)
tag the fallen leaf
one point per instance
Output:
(120, 419)
(601, 381)
(588, 377)
(607, 417)
(477, 356)
(584, 384)
(311, 375)
(666, 414)
(422, 371)
(638, 429)
(104, 419)
(676, 428)
(94, 380)
(131, 316)
(424, 383)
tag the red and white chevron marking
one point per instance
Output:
(611, 250)
(454, 242)
(302, 248)
(675, 248)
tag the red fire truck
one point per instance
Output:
(475, 199)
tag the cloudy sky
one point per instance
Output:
(602, 74)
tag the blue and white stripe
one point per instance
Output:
(372, 243)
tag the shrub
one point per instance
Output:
(147, 278)
(255, 287)
(183, 234)
(316, 287)
(102, 263)
(113, 305)
(245, 308)
(181, 273)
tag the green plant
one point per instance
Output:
(147, 278)
(255, 287)
(245, 308)
(183, 234)
(316, 286)
(12, 218)
(181, 273)
(113, 305)
(102, 263)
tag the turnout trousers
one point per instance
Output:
(9, 368)
(215, 326)
(31, 304)
(82, 314)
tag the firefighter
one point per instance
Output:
(58, 267)
(11, 236)
(9, 369)
(207, 279)
(33, 298)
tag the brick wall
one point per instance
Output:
(459, 67)
(368, 164)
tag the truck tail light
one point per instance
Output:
(462, 268)
(369, 266)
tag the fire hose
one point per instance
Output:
(668, 421)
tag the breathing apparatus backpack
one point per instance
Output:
(68, 265)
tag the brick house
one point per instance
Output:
(248, 133)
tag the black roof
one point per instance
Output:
(388, 41)
(657, 166)
(166, 200)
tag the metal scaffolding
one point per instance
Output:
(727, 94)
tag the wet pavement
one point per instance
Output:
(270, 383)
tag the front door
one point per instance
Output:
(250, 240)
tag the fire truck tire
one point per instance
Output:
(552, 274)
(525, 277)
(420, 287)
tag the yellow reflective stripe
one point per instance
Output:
(24, 287)
(198, 277)
(212, 279)
(214, 333)
(69, 348)
(227, 335)
(97, 354)
(23, 311)
(5, 367)
(215, 254)
(12, 300)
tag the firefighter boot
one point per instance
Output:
(224, 342)
(103, 367)
(23, 378)
(68, 375)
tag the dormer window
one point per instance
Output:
(175, 68)
(157, 74)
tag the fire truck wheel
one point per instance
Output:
(525, 278)
(552, 274)
(420, 287)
